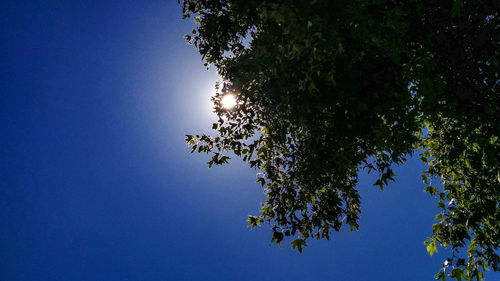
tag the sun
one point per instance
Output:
(228, 101)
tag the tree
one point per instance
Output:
(326, 89)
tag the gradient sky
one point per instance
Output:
(97, 182)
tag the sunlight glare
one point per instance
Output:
(228, 101)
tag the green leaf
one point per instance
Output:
(277, 237)
(431, 190)
(424, 179)
(441, 204)
(262, 181)
(441, 276)
(480, 275)
(253, 221)
(457, 273)
(456, 9)
(467, 163)
(431, 248)
(299, 243)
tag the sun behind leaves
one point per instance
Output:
(228, 101)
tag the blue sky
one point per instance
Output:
(97, 182)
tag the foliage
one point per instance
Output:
(327, 89)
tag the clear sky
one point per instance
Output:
(96, 182)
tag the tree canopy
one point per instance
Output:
(328, 89)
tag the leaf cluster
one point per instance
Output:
(326, 89)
